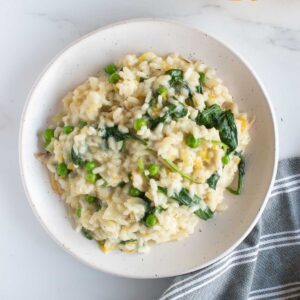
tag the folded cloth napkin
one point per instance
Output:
(266, 265)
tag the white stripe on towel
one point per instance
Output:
(259, 291)
(190, 282)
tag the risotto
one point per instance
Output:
(144, 151)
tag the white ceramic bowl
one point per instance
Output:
(90, 54)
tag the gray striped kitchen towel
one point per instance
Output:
(266, 265)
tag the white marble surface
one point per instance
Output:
(265, 32)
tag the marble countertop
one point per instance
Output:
(265, 32)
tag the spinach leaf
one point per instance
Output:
(163, 91)
(162, 190)
(76, 159)
(213, 180)
(241, 170)
(175, 111)
(184, 198)
(175, 74)
(153, 101)
(120, 136)
(210, 116)
(213, 116)
(204, 214)
(228, 130)
(82, 123)
(87, 233)
(153, 122)
(199, 88)
(127, 242)
(159, 209)
(177, 81)
(116, 134)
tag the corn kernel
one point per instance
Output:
(106, 248)
(146, 56)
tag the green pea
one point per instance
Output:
(48, 135)
(163, 91)
(153, 169)
(114, 78)
(134, 192)
(78, 212)
(192, 142)
(62, 170)
(68, 129)
(225, 159)
(90, 166)
(82, 123)
(91, 178)
(151, 220)
(139, 123)
(89, 198)
(110, 69)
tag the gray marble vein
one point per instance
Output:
(279, 36)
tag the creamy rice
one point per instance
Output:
(144, 151)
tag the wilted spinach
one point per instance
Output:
(210, 116)
(204, 214)
(120, 136)
(184, 198)
(116, 134)
(153, 101)
(213, 116)
(87, 233)
(161, 91)
(159, 209)
(213, 180)
(228, 131)
(199, 88)
(241, 170)
(177, 81)
(162, 190)
(175, 111)
(153, 122)
(128, 242)
(76, 158)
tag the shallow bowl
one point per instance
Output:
(212, 239)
